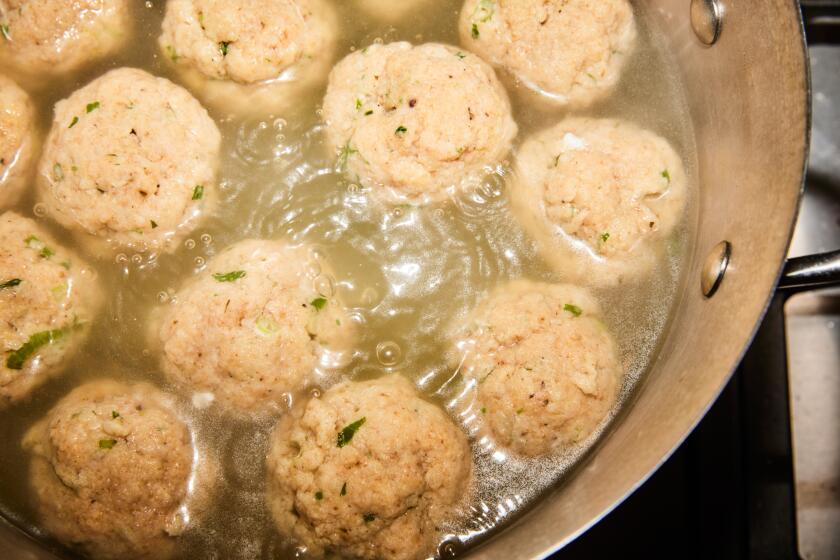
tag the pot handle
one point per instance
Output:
(822, 20)
(811, 272)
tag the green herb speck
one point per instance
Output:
(520, 410)
(198, 192)
(224, 48)
(4, 28)
(484, 410)
(115, 414)
(343, 490)
(319, 495)
(58, 173)
(107, 443)
(92, 106)
(345, 436)
(344, 154)
(37, 245)
(474, 31)
(10, 283)
(401, 130)
(666, 175)
(358, 104)
(369, 112)
(172, 53)
(229, 276)
(319, 303)
(460, 55)
(368, 517)
(605, 237)
(154, 224)
(73, 122)
(17, 358)
(573, 309)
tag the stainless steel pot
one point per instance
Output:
(745, 67)
(750, 103)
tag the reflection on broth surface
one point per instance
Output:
(406, 273)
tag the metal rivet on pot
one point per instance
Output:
(706, 19)
(450, 548)
(714, 268)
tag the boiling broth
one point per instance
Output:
(407, 273)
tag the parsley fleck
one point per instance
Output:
(401, 130)
(319, 303)
(344, 154)
(115, 414)
(337, 322)
(484, 410)
(92, 106)
(605, 236)
(198, 192)
(343, 490)
(345, 436)
(58, 173)
(319, 495)
(475, 33)
(520, 410)
(460, 55)
(229, 276)
(154, 224)
(5, 30)
(107, 443)
(224, 48)
(10, 283)
(369, 112)
(37, 245)
(573, 309)
(17, 358)
(358, 104)
(73, 122)
(171, 53)
(368, 517)
(666, 175)
(266, 325)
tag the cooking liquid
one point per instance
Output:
(406, 272)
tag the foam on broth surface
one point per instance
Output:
(406, 272)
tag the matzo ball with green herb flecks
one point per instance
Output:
(414, 122)
(254, 326)
(17, 141)
(369, 470)
(250, 56)
(130, 160)
(57, 36)
(48, 299)
(570, 50)
(112, 469)
(599, 196)
(546, 370)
